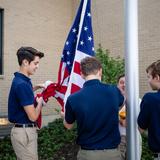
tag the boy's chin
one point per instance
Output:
(32, 73)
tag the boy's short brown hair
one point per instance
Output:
(90, 65)
(154, 68)
(119, 77)
(28, 53)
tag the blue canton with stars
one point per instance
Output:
(86, 43)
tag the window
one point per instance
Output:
(1, 41)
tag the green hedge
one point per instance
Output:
(55, 142)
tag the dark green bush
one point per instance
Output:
(54, 138)
(146, 153)
(112, 67)
(6, 150)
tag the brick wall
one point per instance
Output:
(43, 24)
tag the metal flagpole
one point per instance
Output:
(132, 78)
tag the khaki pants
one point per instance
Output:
(107, 154)
(122, 147)
(24, 142)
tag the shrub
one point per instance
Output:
(6, 150)
(146, 153)
(112, 67)
(57, 143)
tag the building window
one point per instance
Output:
(1, 41)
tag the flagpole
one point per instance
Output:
(81, 21)
(132, 78)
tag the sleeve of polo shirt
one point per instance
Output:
(69, 114)
(25, 95)
(143, 117)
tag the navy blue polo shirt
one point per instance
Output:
(95, 109)
(21, 95)
(149, 118)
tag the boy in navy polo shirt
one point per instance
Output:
(21, 110)
(95, 109)
(149, 116)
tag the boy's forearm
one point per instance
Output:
(67, 125)
(141, 130)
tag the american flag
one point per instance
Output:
(79, 44)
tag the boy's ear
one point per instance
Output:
(100, 71)
(82, 75)
(24, 62)
(157, 77)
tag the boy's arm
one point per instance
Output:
(66, 125)
(143, 119)
(69, 115)
(33, 112)
(141, 130)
